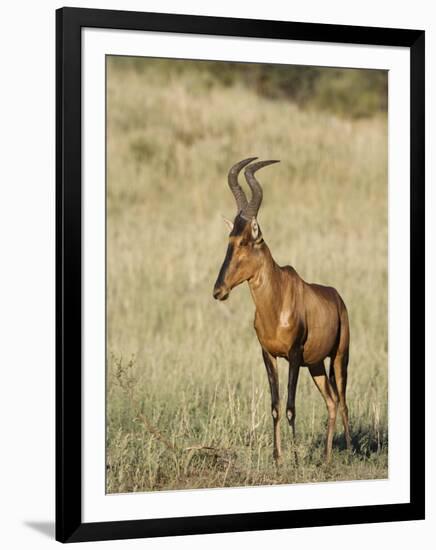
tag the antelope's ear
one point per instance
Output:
(228, 223)
(254, 228)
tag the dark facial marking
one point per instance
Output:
(238, 226)
(226, 263)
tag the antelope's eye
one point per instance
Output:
(242, 243)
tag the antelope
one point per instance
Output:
(301, 322)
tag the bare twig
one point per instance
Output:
(158, 434)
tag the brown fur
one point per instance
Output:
(301, 322)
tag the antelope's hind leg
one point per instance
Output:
(319, 376)
(338, 379)
(273, 379)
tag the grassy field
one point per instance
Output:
(188, 401)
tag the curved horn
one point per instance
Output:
(256, 190)
(236, 189)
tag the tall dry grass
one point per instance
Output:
(188, 402)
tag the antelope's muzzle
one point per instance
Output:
(220, 293)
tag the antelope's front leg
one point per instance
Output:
(294, 369)
(273, 378)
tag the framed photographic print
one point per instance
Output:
(261, 371)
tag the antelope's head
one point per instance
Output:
(245, 240)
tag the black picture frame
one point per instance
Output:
(69, 525)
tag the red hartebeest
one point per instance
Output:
(302, 322)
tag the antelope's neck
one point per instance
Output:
(266, 288)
